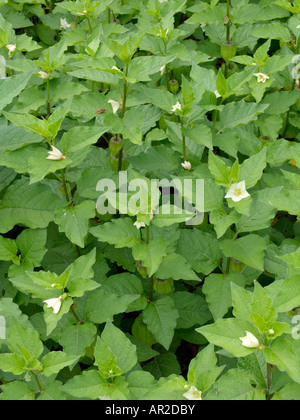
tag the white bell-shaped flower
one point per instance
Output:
(55, 304)
(250, 341)
(193, 394)
(55, 154)
(237, 192)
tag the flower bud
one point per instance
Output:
(228, 50)
(163, 287)
(116, 144)
(141, 269)
(174, 86)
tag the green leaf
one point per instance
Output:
(8, 250)
(203, 370)
(150, 254)
(30, 205)
(206, 252)
(75, 339)
(235, 386)
(88, 385)
(226, 333)
(240, 113)
(20, 338)
(175, 266)
(55, 361)
(251, 169)
(217, 289)
(120, 346)
(16, 391)
(248, 249)
(120, 232)
(192, 309)
(12, 87)
(281, 354)
(74, 221)
(13, 363)
(111, 304)
(219, 170)
(161, 319)
(106, 360)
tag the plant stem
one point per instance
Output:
(89, 23)
(228, 23)
(287, 120)
(109, 17)
(183, 142)
(38, 383)
(125, 92)
(64, 182)
(151, 289)
(269, 379)
(48, 99)
(75, 316)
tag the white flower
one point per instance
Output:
(298, 27)
(177, 107)
(43, 75)
(115, 105)
(250, 341)
(55, 154)
(55, 304)
(186, 165)
(237, 192)
(162, 69)
(163, 1)
(271, 332)
(217, 94)
(193, 394)
(11, 49)
(64, 24)
(105, 397)
(261, 77)
(296, 69)
(138, 224)
(116, 69)
(203, 26)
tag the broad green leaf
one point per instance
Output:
(12, 87)
(55, 361)
(161, 316)
(74, 221)
(150, 254)
(30, 205)
(248, 249)
(121, 233)
(217, 289)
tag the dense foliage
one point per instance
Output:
(146, 305)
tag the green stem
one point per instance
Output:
(151, 289)
(109, 17)
(183, 142)
(228, 23)
(48, 99)
(125, 92)
(38, 383)
(75, 316)
(89, 23)
(216, 112)
(148, 235)
(287, 120)
(64, 182)
(269, 380)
